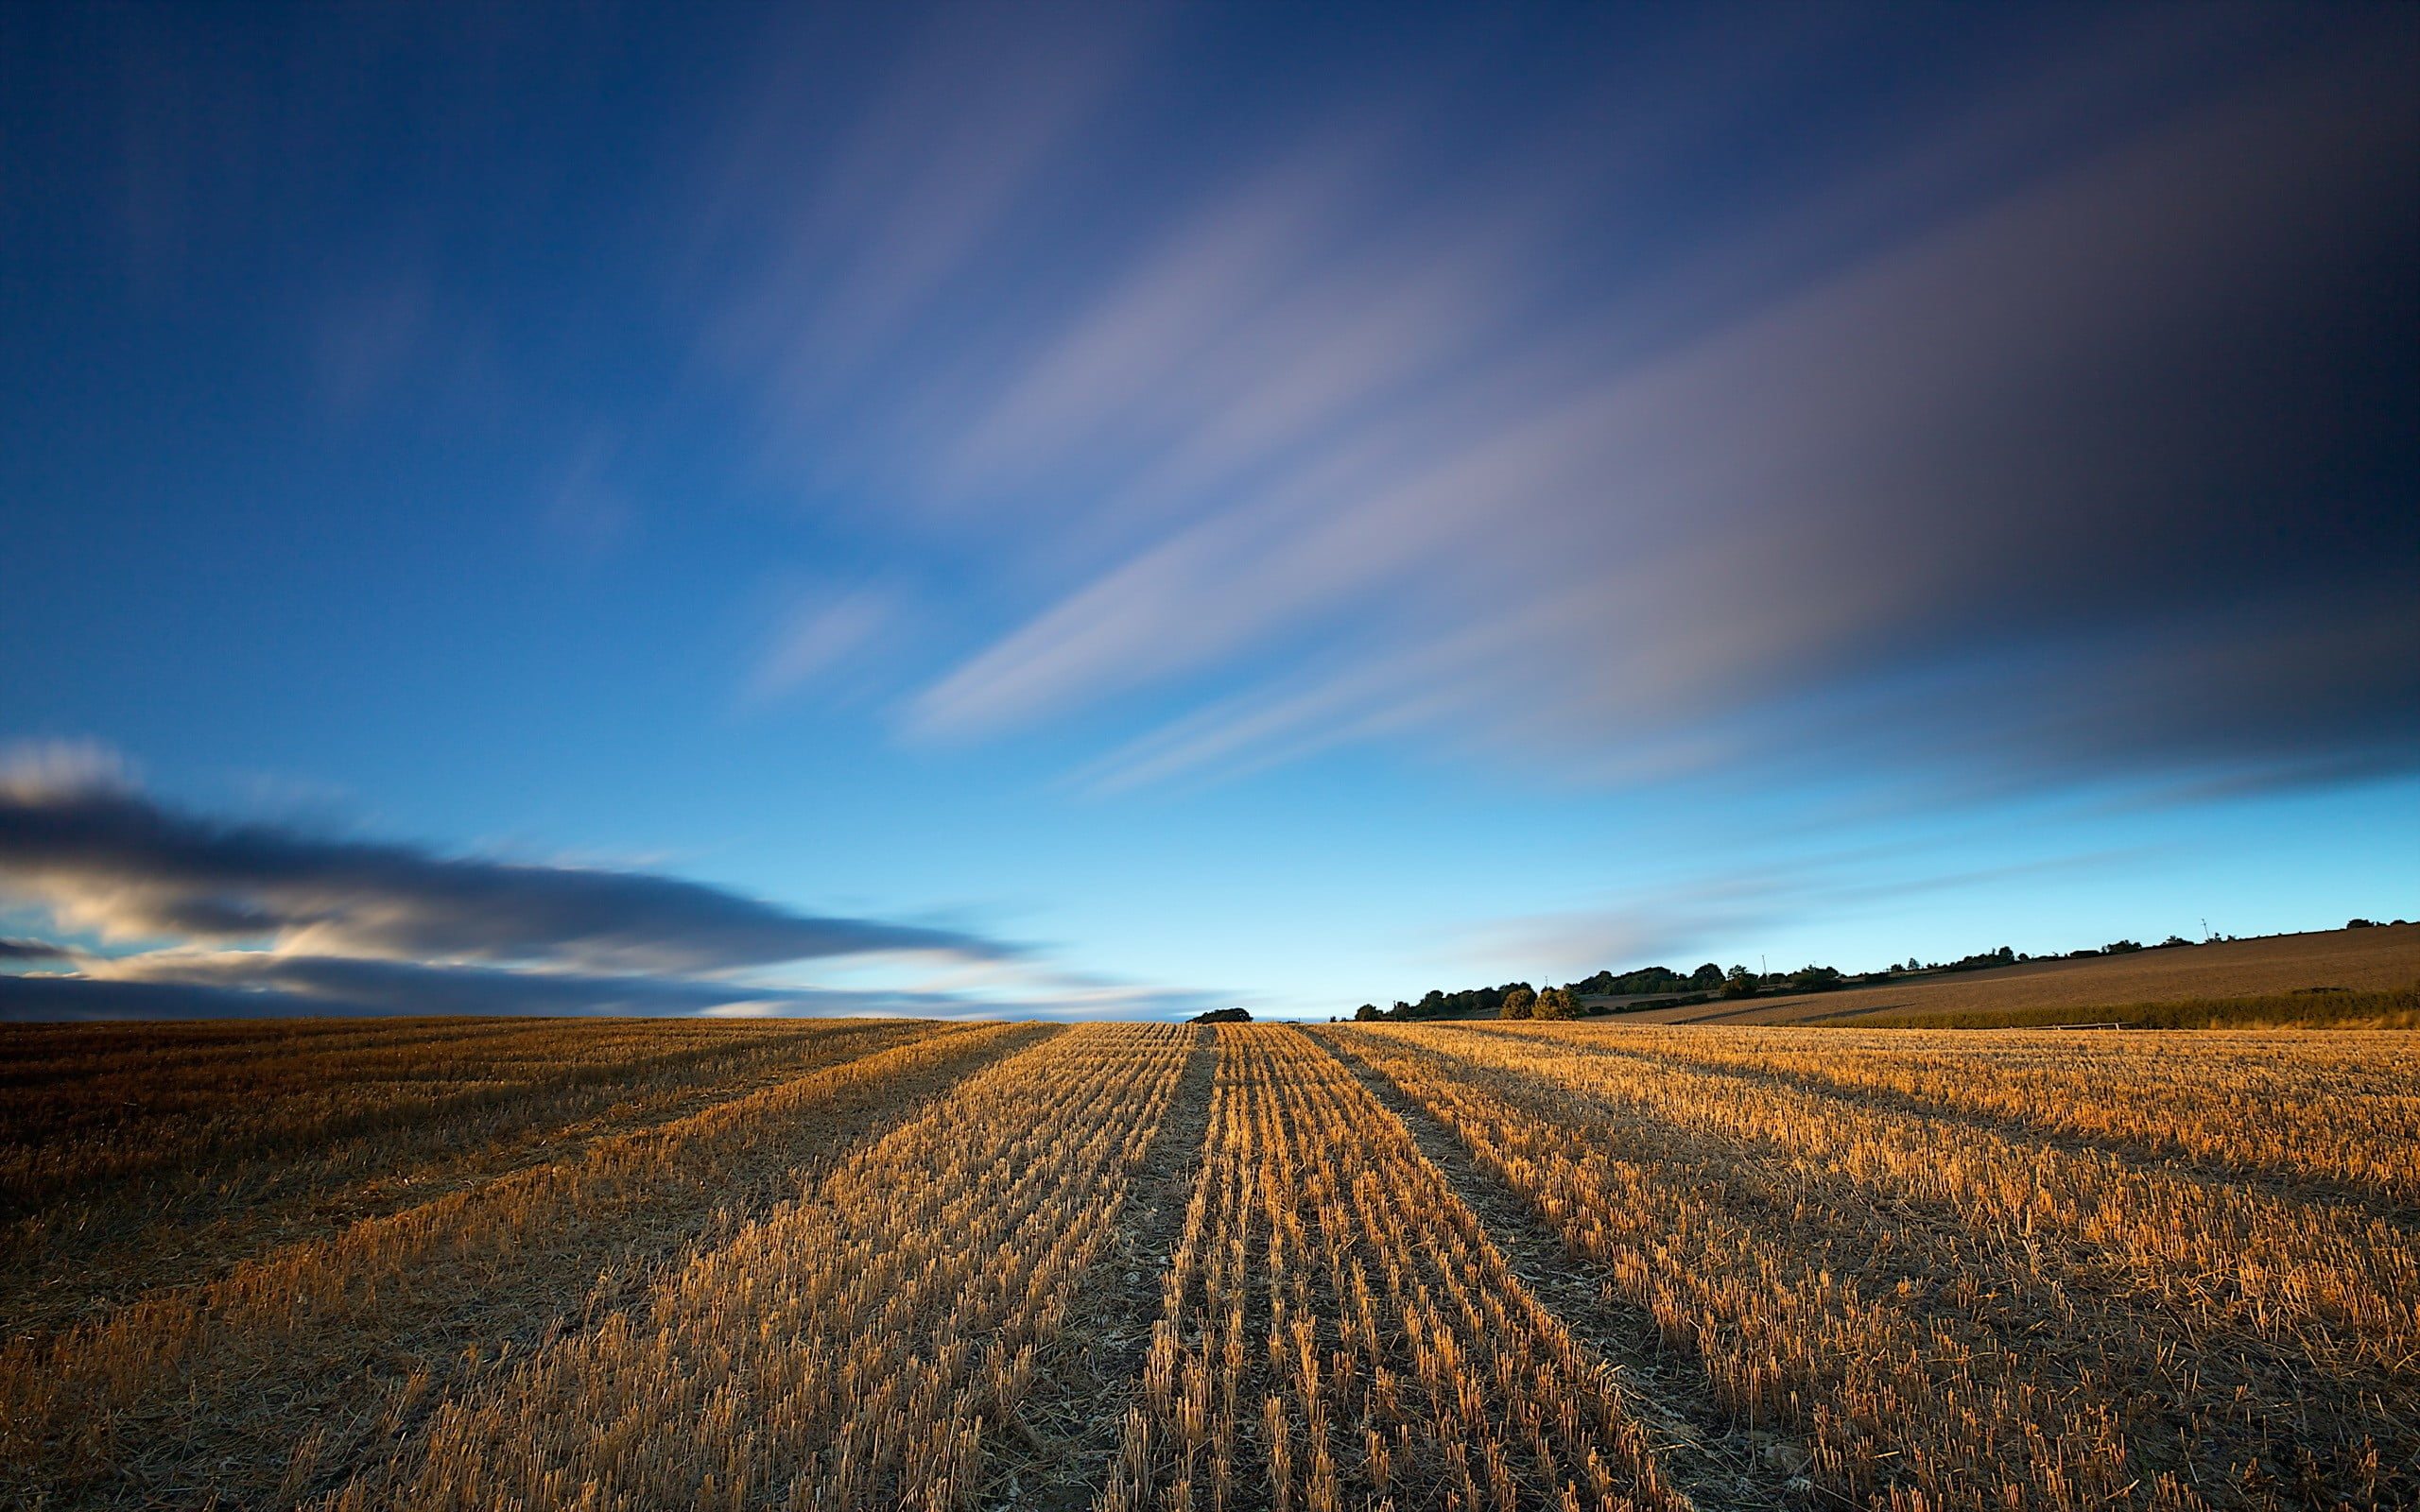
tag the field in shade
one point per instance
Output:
(451, 1264)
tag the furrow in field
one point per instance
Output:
(75, 1260)
(1713, 1459)
(1061, 1438)
(2333, 1117)
(1337, 1329)
(849, 1350)
(1940, 1313)
(305, 1362)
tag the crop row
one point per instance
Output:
(1945, 1311)
(842, 1267)
(2337, 1110)
(846, 1350)
(310, 1355)
(1338, 1331)
(208, 1169)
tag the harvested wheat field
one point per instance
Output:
(447, 1263)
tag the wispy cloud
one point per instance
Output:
(1684, 917)
(2045, 415)
(1358, 440)
(816, 638)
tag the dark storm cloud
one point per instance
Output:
(30, 950)
(105, 858)
(260, 984)
(274, 987)
(40, 998)
(188, 984)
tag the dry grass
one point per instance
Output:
(84, 1105)
(535, 1264)
(2336, 1114)
(1949, 1312)
(1338, 1331)
(844, 1351)
(307, 1356)
(139, 1157)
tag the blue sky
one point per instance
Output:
(1133, 509)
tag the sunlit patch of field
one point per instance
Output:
(1338, 1328)
(1129, 1267)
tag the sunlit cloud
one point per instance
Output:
(266, 919)
(111, 861)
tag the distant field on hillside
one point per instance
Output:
(2359, 959)
(2309, 1008)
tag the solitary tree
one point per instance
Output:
(1366, 1012)
(1741, 982)
(1556, 1002)
(1517, 1002)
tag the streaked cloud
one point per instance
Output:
(1348, 436)
(1680, 919)
(1812, 412)
(817, 636)
(267, 918)
(2032, 444)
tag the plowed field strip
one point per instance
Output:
(306, 1361)
(2337, 1121)
(1920, 1349)
(1060, 1441)
(80, 1258)
(1338, 1331)
(845, 1351)
(1716, 1461)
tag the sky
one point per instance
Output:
(1116, 510)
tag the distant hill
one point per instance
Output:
(2357, 960)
